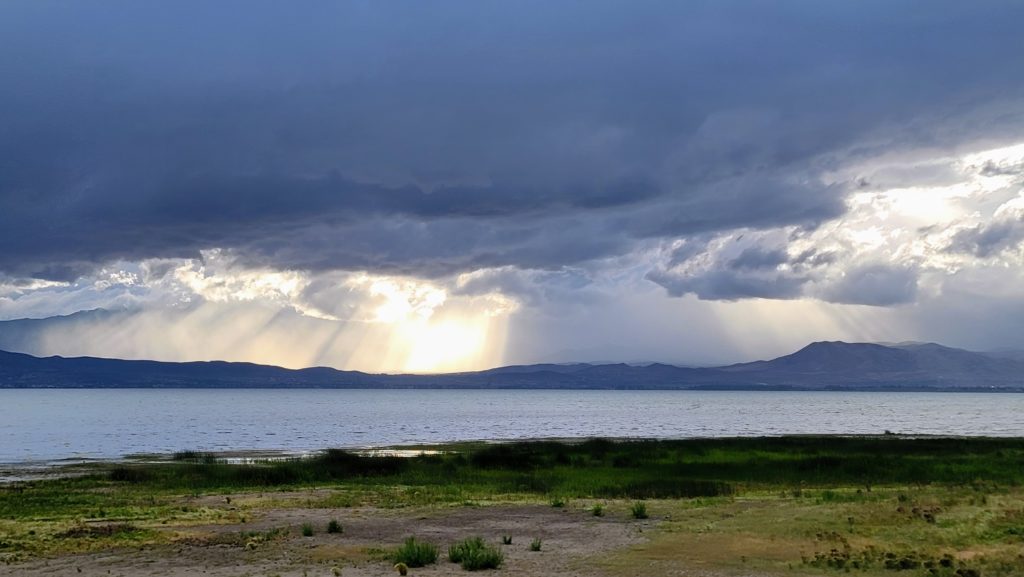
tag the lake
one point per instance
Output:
(45, 425)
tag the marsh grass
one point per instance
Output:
(194, 457)
(627, 469)
(824, 468)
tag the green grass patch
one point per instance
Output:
(473, 554)
(415, 553)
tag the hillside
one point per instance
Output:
(818, 366)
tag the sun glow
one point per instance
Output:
(444, 346)
(425, 331)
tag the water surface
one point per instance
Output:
(41, 425)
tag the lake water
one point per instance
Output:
(53, 424)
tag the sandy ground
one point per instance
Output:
(573, 543)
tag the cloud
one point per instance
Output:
(875, 285)
(1003, 233)
(242, 161)
(759, 258)
(419, 142)
(934, 216)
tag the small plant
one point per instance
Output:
(558, 502)
(486, 558)
(639, 510)
(336, 571)
(473, 554)
(598, 510)
(402, 568)
(334, 526)
(307, 529)
(535, 544)
(460, 550)
(415, 553)
(506, 539)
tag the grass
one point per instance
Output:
(415, 553)
(535, 545)
(597, 510)
(870, 533)
(757, 503)
(307, 529)
(333, 526)
(630, 469)
(473, 554)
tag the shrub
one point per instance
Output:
(194, 457)
(415, 553)
(639, 510)
(598, 510)
(535, 544)
(341, 464)
(129, 475)
(334, 526)
(307, 529)
(459, 551)
(486, 558)
(473, 554)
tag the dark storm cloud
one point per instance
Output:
(445, 137)
(759, 258)
(875, 285)
(728, 285)
(990, 239)
(772, 274)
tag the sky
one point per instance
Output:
(446, 186)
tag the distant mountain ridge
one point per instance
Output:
(818, 366)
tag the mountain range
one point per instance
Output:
(818, 366)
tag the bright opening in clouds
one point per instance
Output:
(445, 187)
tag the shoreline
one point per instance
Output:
(73, 466)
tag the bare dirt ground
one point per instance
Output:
(573, 544)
